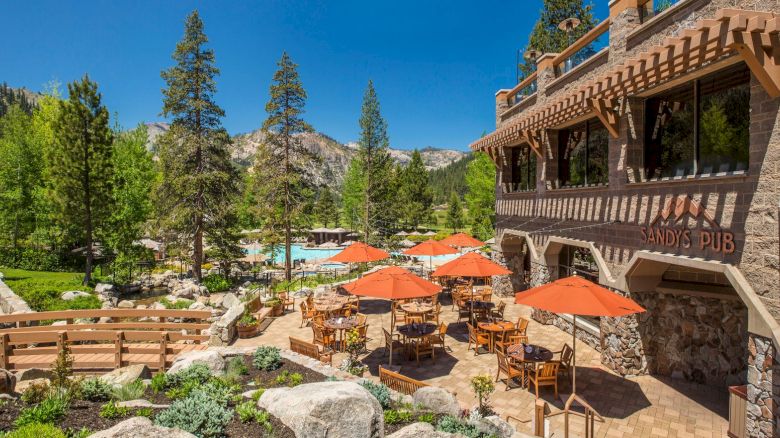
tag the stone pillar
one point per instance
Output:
(763, 392)
(624, 18)
(545, 74)
(502, 104)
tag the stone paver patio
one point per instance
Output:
(644, 406)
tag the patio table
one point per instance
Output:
(538, 354)
(493, 328)
(341, 325)
(329, 304)
(417, 308)
(415, 331)
(478, 307)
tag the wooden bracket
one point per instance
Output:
(534, 140)
(605, 111)
(761, 53)
(492, 152)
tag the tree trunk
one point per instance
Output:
(87, 208)
(287, 225)
(368, 193)
(197, 250)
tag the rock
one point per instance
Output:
(102, 288)
(224, 330)
(210, 358)
(494, 426)
(73, 294)
(197, 306)
(126, 304)
(157, 306)
(140, 403)
(7, 381)
(326, 409)
(125, 375)
(249, 394)
(23, 385)
(420, 430)
(141, 427)
(230, 300)
(33, 373)
(437, 400)
(56, 323)
(215, 300)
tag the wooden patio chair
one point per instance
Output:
(287, 301)
(565, 356)
(392, 342)
(323, 336)
(423, 347)
(487, 295)
(498, 312)
(438, 338)
(544, 374)
(506, 368)
(306, 313)
(477, 338)
(318, 318)
(505, 339)
(413, 319)
(522, 325)
(361, 318)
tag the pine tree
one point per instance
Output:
(196, 197)
(546, 37)
(352, 193)
(83, 158)
(326, 210)
(481, 195)
(283, 158)
(414, 194)
(455, 220)
(378, 209)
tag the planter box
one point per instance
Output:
(247, 332)
(737, 411)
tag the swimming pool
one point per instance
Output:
(298, 252)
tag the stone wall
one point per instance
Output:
(10, 302)
(763, 388)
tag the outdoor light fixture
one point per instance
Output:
(568, 25)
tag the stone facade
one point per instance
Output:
(702, 337)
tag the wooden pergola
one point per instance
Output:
(752, 36)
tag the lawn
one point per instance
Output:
(42, 290)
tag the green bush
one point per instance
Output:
(159, 382)
(36, 392)
(215, 283)
(218, 390)
(144, 412)
(180, 304)
(236, 367)
(247, 411)
(426, 418)
(379, 391)
(393, 416)
(130, 391)
(36, 430)
(48, 411)
(36, 259)
(183, 390)
(111, 411)
(198, 414)
(267, 358)
(95, 390)
(451, 424)
(257, 394)
(199, 373)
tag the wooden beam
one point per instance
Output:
(534, 142)
(765, 65)
(604, 110)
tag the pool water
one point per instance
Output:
(299, 252)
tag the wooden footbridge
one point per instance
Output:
(132, 336)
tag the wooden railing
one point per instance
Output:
(559, 62)
(101, 345)
(398, 382)
(524, 88)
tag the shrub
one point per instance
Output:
(36, 392)
(131, 391)
(183, 390)
(144, 412)
(454, 425)
(236, 367)
(257, 394)
(393, 416)
(426, 418)
(198, 414)
(81, 433)
(379, 391)
(267, 358)
(51, 409)
(218, 390)
(159, 383)
(483, 386)
(95, 390)
(247, 411)
(111, 411)
(215, 283)
(263, 419)
(62, 369)
(295, 379)
(36, 430)
(179, 304)
(198, 373)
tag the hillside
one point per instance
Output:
(23, 97)
(450, 178)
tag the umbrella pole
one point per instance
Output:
(574, 356)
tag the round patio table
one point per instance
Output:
(494, 328)
(341, 325)
(538, 354)
(417, 330)
(417, 308)
(329, 304)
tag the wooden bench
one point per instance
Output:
(311, 350)
(399, 382)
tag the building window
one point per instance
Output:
(521, 175)
(582, 155)
(701, 127)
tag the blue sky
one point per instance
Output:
(435, 64)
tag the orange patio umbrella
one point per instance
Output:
(393, 283)
(359, 252)
(462, 240)
(470, 265)
(577, 296)
(431, 248)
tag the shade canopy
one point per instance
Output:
(359, 252)
(470, 265)
(578, 296)
(462, 240)
(431, 248)
(393, 283)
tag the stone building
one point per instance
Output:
(652, 166)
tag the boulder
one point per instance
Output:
(33, 373)
(7, 381)
(23, 385)
(224, 329)
(125, 375)
(420, 430)
(215, 300)
(326, 409)
(157, 306)
(229, 300)
(140, 403)
(197, 306)
(141, 427)
(210, 358)
(102, 288)
(73, 294)
(126, 304)
(494, 426)
(437, 400)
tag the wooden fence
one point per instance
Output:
(121, 342)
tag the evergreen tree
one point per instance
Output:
(378, 209)
(283, 158)
(455, 220)
(352, 193)
(481, 195)
(326, 210)
(448, 179)
(83, 157)
(414, 194)
(199, 184)
(546, 37)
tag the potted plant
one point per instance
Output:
(247, 326)
(354, 345)
(275, 304)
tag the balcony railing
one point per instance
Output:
(583, 49)
(651, 8)
(526, 87)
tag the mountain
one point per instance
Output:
(23, 97)
(334, 156)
